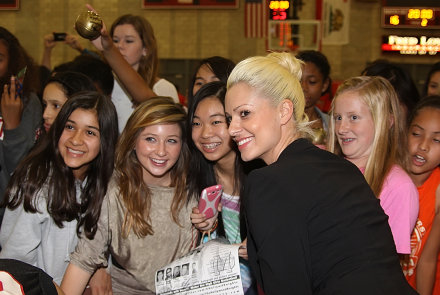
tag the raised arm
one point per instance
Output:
(49, 44)
(427, 265)
(132, 81)
(73, 41)
(19, 126)
(11, 107)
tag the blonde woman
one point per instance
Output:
(314, 225)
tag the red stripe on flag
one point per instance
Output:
(255, 20)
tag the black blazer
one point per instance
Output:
(315, 227)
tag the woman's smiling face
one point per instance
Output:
(254, 123)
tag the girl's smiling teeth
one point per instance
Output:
(158, 161)
(75, 151)
(210, 146)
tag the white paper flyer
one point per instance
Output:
(211, 268)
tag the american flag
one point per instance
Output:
(255, 20)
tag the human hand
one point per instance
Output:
(101, 283)
(104, 41)
(11, 107)
(74, 42)
(242, 251)
(200, 221)
(49, 42)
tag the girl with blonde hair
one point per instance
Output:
(146, 206)
(314, 225)
(369, 126)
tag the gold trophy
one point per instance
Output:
(88, 25)
(320, 135)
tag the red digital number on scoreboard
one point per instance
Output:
(278, 9)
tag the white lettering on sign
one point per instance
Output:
(429, 41)
(393, 39)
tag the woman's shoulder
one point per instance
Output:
(304, 157)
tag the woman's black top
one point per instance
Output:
(315, 227)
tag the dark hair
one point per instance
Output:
(432, 102)
(72, 82)
(44, 166)
(97, 70)
(321, 62)
(201, 172)
(399, 78)
(64, 67)
(19, 59)
(434, 69)
(149, 64)
(220, 66)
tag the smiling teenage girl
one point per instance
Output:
(216, 160)
(66, 178)
(369, 126)
(144, 221)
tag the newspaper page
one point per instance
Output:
(211, 268)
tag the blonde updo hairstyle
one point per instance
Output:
(275, 77)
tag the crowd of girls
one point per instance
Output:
(146, 206)
(328, 226)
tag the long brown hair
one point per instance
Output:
(149, 64)
(390, 145)
(45, 166)
(133, 190)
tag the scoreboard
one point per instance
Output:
(411, 17)
(279, 10)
